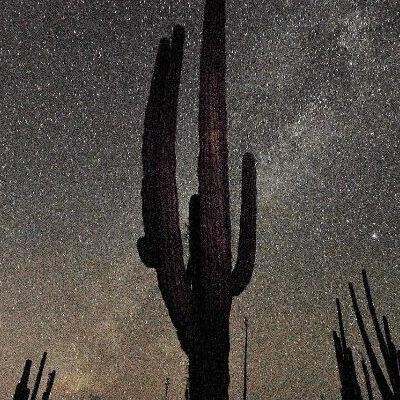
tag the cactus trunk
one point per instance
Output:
(208, 366)
(199, 297)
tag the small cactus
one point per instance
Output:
(22, 391)
(387, 377)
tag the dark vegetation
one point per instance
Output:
(199, 297)
(22, 390)
(386, 373)
(379, 372)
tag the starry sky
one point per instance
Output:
(313, 92)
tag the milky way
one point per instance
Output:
(313, 92)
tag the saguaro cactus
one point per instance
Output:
(198, 297)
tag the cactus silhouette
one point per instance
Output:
(50, 383)
(199, 297)
(387, 378)
(39, 377)
(350, 389)
(22, 391)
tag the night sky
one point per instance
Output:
(313, 92)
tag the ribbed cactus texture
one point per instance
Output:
(199, 297)
(386, 377)
(22, 391)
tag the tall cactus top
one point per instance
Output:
(215, 229)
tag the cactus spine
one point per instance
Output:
(199, 297)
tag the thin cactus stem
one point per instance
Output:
(393, 368)
(26, 372)
(50, 383)
(39, 376)
(187, 389)
(356, 390)
(381, 340)
(341, 326)
(383, 386)
(367, 380)
(348, 379)
(385, 343)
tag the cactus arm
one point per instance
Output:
(383, 345)
(159, 192)
(350, 388)
(49, 387)
(171, 275)
(215, 228)
(393, 368)
(343, 358)
(367, 380)
(376, 369)
(242, 273)
(355, 387)
(339, 357)
(39, 377)
(147, 245)
(162, 242)
(341, 325)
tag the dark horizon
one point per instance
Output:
(311, 92)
